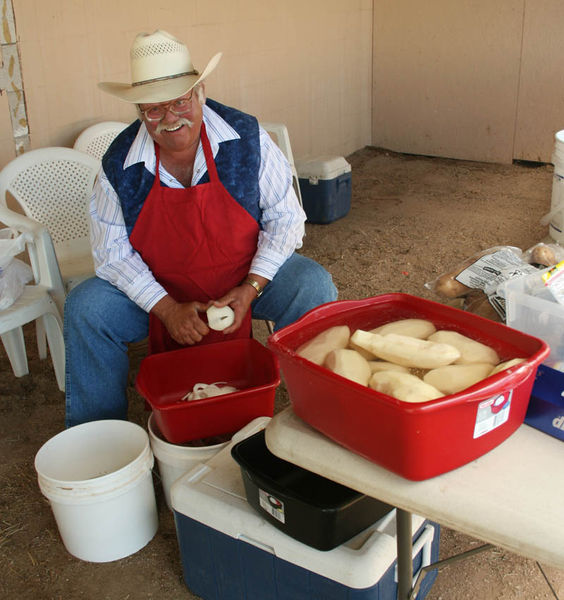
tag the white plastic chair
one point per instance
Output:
(94, 140)
(53, 186)
(36, 303)
(282, 140)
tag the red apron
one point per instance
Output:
(198, 242)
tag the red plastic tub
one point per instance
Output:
(164, 378)
(416, 441)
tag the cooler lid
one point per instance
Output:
(322, 167)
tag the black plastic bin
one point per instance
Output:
(312, 509)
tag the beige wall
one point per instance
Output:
(471, 79)
(307, 64)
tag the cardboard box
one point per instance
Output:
(230, 552)
(325, 186)
(546, 406)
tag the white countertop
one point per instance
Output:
(512, 497)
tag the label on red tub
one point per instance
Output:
(492, 413)
(273, 506)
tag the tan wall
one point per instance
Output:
(307, 64)
(471, 79)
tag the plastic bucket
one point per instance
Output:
(555, 217)
(175, 460)
(97, 477)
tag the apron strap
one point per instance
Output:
(210, 162)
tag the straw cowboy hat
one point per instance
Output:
(161, 70)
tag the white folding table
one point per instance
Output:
(511, 497)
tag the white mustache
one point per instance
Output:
(172, 126)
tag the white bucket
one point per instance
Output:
(175, 460)
(97, 477)
(555, 217)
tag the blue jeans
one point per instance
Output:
(100, 322)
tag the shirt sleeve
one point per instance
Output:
(282, 221)
(115, 260)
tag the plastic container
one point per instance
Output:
(174, 460)
(326, 187)
(312, 509)
(531, 308)
(556, 215)
(546, 406)
(230, 552)
(416, 441)
(97, 478)
(164, 378)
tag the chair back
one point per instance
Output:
(95, 140)
(53, 186)
(279, 134)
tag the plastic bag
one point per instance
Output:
(12, 243)
(543, 255)
(476, 272)
(13, 279)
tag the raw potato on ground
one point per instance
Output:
(317, 349)
(455, 378)
(417, 328)
(403, 386)
(350, 364)
(406, 351)
(471, 351)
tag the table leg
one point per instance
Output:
(405, 561)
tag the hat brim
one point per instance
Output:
(158, 91)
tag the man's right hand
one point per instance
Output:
(182, 320)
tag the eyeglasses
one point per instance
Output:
(178, 107)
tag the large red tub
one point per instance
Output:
(417, 441)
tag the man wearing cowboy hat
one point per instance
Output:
(193, 206)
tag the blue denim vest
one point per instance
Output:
(237, 161)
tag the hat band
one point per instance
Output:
(193, 72)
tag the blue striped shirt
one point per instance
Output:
(282, 221)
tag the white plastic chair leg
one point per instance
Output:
(41, 339)
(54, 330)
(14, 344)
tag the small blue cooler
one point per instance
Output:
(230, 552)
(325, 186)
(546, 406)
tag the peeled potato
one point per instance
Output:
(417, 328)
(403, 386)
(350, 364)
(382, 365)
(219, 318)
(452, 379)
(471, 351)
(508, 363)
(317, 349)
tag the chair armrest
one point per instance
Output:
(18, 221)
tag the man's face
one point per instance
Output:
(174, 125)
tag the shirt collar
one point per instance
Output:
(143, 148)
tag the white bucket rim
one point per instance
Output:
(115, 483)
(163, 449)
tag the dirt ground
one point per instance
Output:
(411, 219)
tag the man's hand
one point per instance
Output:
(240, 299)
(182, 320)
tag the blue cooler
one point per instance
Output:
(546, 406)
(325, 186)
(230, 552)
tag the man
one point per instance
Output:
(193, 206)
